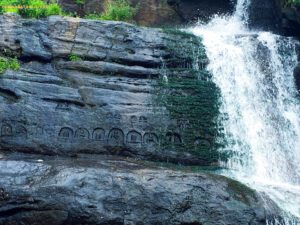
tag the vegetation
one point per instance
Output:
(9, 63)
(288, 3)
(117, 10)
(93, 16)
(30, 8)
(1, 10)
(75, 58)
(80, 2)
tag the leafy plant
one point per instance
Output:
(119, 10)
(54, 9)
(9, 63)
(75, 58)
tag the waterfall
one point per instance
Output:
(260, 107)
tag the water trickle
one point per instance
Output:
(164, 71)
(254, 71)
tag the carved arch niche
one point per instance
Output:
(116, 137)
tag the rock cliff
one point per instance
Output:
(114, 99)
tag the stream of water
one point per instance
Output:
(260, 108)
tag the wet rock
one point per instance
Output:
(297, 77)
(114, 191)
(291, 21)
(112, 99)
(265, 15)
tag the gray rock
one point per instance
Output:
(113, 100)
(114, 191)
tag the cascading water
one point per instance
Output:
(259, 101)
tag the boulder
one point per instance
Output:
(127, 91)
(109, 191)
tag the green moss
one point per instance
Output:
(191, 98)
(179, 32)
(9, 63)
(194, 102)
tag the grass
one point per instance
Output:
(80, 2)
(117, 10)
(9, 63)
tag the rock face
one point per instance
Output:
(280, 16)
(291, 21)
(117, 192)
(192, 10)
(112, 101)
(265, 15)
(149, 12)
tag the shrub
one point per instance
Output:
(54, 9)
(118, 10)
(4, 3)
(31, 8)
(74, 58)
(1, 10)
(9, 63)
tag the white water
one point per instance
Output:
(254, 71)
